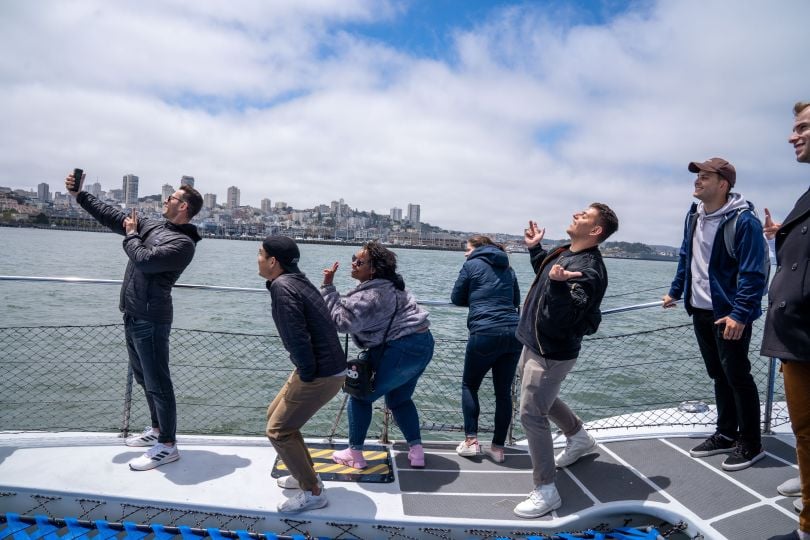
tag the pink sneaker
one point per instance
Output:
(416, 456)
(350, 458)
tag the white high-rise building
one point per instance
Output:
(95, 189)
(210, 200)
(44, 192)
(165, 191)
(187, 181)
(267, 206)
(413, 213)
(233, 197)
(396, 214)
(130, 190)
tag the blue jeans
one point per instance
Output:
(148, 348)
(499, 351)
(397, 371)
(735, 390)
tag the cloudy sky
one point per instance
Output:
(486, 113)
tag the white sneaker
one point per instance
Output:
(468, 451)
(158, 455)
(541, 501)
(303, 501)
(791, 488)
(576, 446)
(290, 482)
(148, 437)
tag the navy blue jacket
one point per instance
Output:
(557, 314)
(488, 285)
(736, 286)
(305, 327)
(787, 326)
(158, 254)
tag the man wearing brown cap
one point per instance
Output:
(787, 326)
(309, 336)
(723, 286)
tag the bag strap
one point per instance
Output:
(396, 307)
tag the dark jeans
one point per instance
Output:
(397, 373)
(148, 348)
(734, 388)
(498, 351)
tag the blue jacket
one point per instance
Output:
(488, 285)
(736, 286)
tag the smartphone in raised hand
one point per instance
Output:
(78, 175)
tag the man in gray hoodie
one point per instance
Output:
(723, 286)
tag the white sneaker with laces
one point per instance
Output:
(148, 437)
(304, 500)
(158, 455)
(576, 446)
(541, 501)
(290, 482)
(472, 450)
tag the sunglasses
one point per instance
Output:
(173, 198)
(358, 262)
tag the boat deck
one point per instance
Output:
(225, 482)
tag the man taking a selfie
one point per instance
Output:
(158, 252)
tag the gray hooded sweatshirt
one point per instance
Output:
(702, 242)
(366, 310)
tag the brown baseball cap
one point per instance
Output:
(716, 165)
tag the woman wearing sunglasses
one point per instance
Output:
(383, 317)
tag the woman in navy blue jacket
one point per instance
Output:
(487, 284)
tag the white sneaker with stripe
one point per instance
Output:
(158, 455)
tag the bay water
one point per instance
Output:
(428, 274)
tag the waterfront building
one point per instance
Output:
(210, 201)
(187, 181)
(396, 214)
(267, 206)
(233, 197)
(95, 189)
(280, 205)
(165, 191)
(130, 189)
(116, 194)
(44, 192)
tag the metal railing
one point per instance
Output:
(75, 378)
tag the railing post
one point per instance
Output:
(766, 428)
(345, 397)
(127, 403)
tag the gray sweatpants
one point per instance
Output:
(539, 387)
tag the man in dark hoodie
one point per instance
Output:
(561, 307)
(158, 252)
(308, 334)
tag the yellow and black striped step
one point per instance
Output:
(378, 459)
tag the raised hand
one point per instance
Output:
(558, 273)
(770, 226)
(532, 235)
(329, 273)
(131, 223)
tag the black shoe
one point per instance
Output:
(716, 444)
(744, 455)
(789, 536)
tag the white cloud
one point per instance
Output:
(529, 116)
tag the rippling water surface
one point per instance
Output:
(428, 274)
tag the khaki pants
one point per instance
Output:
(539, 387)
(295, 404)
(797, 392)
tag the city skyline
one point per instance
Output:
(537, 107)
